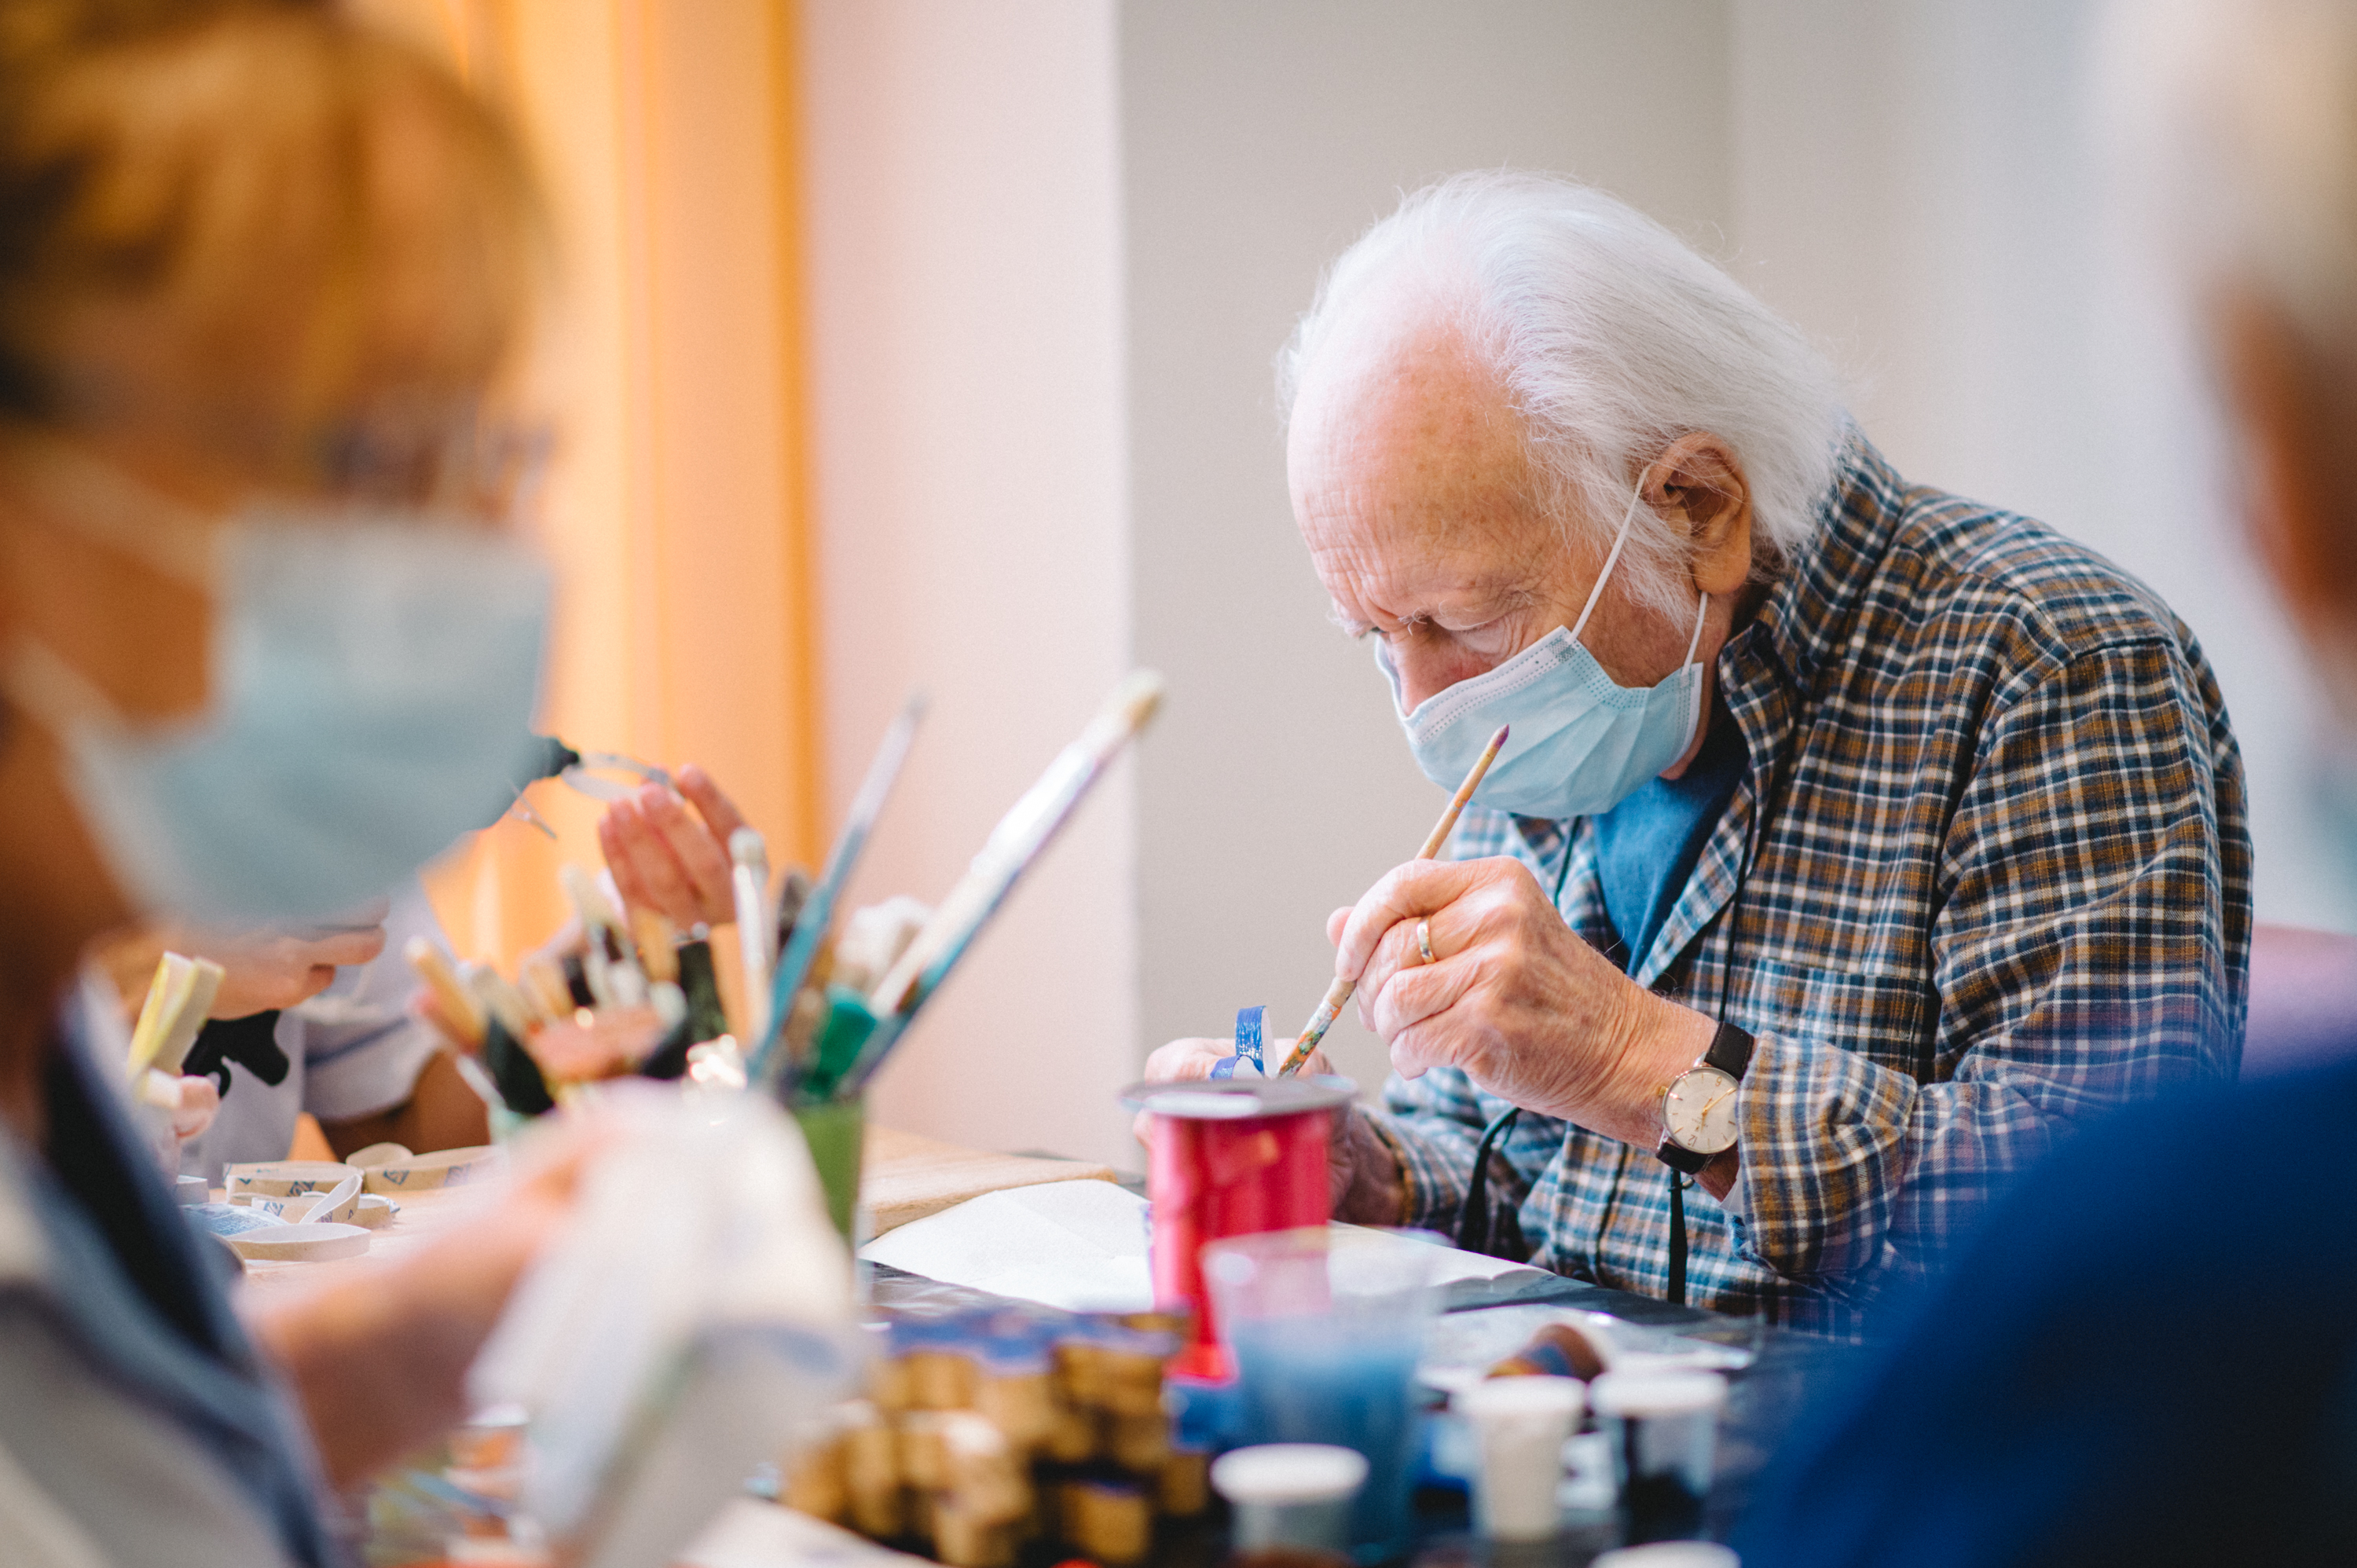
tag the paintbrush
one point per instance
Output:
(1014, 844)
(461, 1010)
(770, 1064)
(756, 929)
(1340, 992)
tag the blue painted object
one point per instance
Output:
(1250, 1033)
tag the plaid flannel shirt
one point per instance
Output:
(1988, 873)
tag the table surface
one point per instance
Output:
(904, 1177)
(1762, 1404)
(1762, 1401)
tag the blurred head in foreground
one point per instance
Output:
(2236, 125)
(264, 646)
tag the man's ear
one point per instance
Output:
(1697, 485)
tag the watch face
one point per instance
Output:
(1699, 1110)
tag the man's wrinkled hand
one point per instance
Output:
(1513, 996)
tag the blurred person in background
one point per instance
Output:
(267, 643)
(316, 1020)
(2148, 1356)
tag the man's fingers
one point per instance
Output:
(1334, 924)
(1411, 996)
(1396, 950)
(718, 811)
(1418, 889)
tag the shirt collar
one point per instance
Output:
(1857, 517)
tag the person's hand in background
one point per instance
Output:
(262, 970)
(669, 851)
(199, 1102)
(275, 969)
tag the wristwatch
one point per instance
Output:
(1698, 1106)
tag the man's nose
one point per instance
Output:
(1423, 676)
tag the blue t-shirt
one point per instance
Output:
(1647, 845)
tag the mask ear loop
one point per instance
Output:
(1605, 577)
(1702, 613)
(1702, 610)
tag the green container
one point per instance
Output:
(835, 1130)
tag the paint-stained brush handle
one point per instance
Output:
(1322, 1020)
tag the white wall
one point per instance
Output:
(965, 284)
(1259, 139)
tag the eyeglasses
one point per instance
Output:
(460, 464)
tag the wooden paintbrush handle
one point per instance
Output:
(1322, 1020)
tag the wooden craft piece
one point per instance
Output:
(305, 1244)
(441, 1168)
(297, 1190)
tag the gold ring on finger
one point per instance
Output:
(1424, 941)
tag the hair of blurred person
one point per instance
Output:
(292, 245)
(1613, 339)
(2233, 132)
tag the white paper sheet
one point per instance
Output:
(1078, 1245)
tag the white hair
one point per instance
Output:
(2234, 124)
(1613, 339)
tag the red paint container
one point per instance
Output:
(1229, 1158)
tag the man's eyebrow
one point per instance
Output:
(1356, 627)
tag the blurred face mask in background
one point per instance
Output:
(374, 681)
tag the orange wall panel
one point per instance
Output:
(675, 509)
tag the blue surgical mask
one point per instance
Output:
(1581, 743)
(374, 683)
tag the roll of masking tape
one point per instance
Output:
(297, 1190)
(442, 1167)
(304, 1244)
(375, 1212)
(285, 1178)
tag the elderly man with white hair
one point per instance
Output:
(1852, 841)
